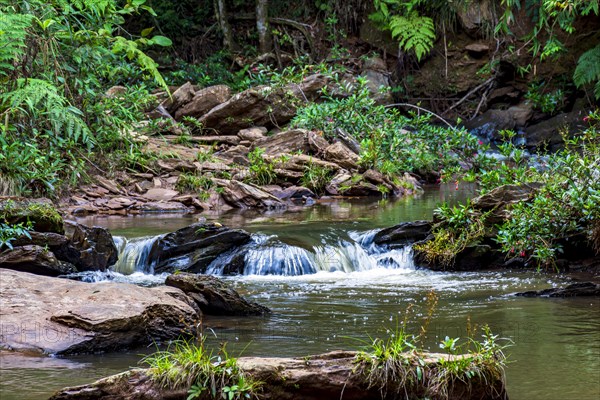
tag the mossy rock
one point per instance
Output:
(40, 212)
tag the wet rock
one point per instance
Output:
(403, 234)
(213, 296)
(183, 95)
(60, 316)
(296, 192)
(473, 258)
(36, 260)
(41, 213)
(262, 106)
(341, 155)
(573, 290)
(244, 195)
(488, 124)
(89, 249)
(203, 101)
(194, 247)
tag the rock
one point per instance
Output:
(108, 184)
(252, 134)
(160, 194)
(60, 316)
(294, 140)
(213, 296)
(244, 195)
(176, 164)
(360, 189)
(300, 162)
(502, 198)
(547, 134)
(41, 213)
(262, 106)
(116, 91)
(488, 124)
(473, 258)
(341, 155)
(477, 49)
(194, 247)
(335, 185)
(229, 140)
(572, 290)
(403, 234)
(89, 249)
(317, 143)
(377, 75)
(477, 16)
(181, 96)
(213, 166)
(164, 207)
(203, 101)
(335, 375)
(36, 260)
(296, 192)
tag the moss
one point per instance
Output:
(40, 212)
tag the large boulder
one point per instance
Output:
(183, 95)
(194, 247)
(291, 141)
(213, 296)
(502, 198)
(341, 155)
(378, 80)
(41, 213)
(203, 101)
(262, 106)
(60, 316)
(35, 259)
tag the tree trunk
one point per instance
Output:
(262, 25)
(223, 18)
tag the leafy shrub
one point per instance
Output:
(262, 172)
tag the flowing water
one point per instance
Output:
(331, 288)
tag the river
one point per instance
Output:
(556, 342)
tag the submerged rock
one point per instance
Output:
(194, 247)
(60, 316)
(213, 296)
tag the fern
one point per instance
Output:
(588, 70)
(13, 35)
(40, 99)
(414, 32)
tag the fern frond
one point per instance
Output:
(588, 70)
(40, 99)
(13, 36)
(414, 32)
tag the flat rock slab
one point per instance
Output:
(574, 290)
(60, 316)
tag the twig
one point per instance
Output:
(421, 109)
(472, 91)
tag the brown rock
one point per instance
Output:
(34, 259)
(340, 154)
(477, 49)
(108, 184)
(244, 195)
(252, 134)
(164, 206)
(60, 316)
(160, 194)
(290, 141)
(203, 101)
(213, 296)
(181, 96)
(89, 249)
(176, 164)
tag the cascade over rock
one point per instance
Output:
(194, 247)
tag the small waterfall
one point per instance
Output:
(133, 255)
(267, 255)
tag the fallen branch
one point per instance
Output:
(421, 109)
(471, 92)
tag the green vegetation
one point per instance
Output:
(261, 171)
(56, 60)
(190, 366)
(390, 141)
(11, 232)
(316, 178)
(399, 363)
(563, 205)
